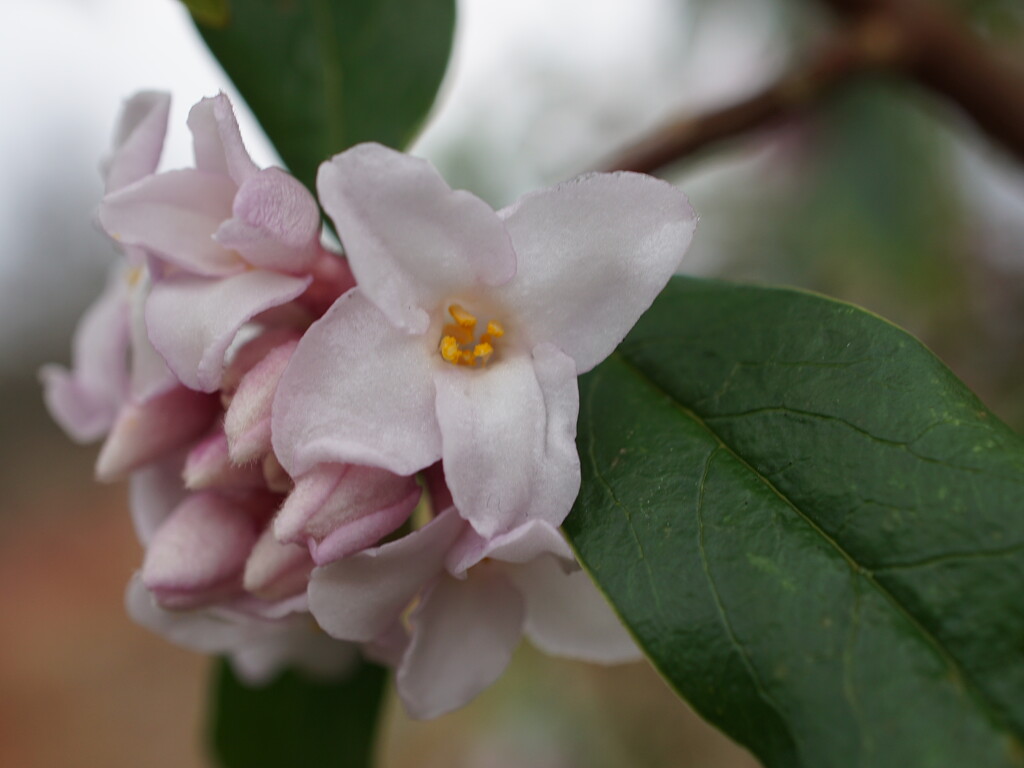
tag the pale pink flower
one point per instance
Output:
(86, 400)
(258, 647)
(231, 241)
(468, 328)
(476, 598)
(120, 387)
(215, 579)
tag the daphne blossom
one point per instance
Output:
(231, 241)
(467, 329)
(276, 421)
(475, 598)
(85, 401)
(119, 386)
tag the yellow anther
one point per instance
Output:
(460, 344)
(450, 349)
(133, 276)
(461, 316)
(483, 351)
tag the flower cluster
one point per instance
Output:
(363, 452)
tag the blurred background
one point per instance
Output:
(884, 195)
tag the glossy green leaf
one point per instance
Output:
(814, 529)
(213, 13)
(322, 75)
(295, 721)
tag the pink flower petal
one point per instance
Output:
(193, 320)
(412, 241)
(217, 142)
(508, 434)
(85, 401)
(203, 631)
(275, 571)
(209, 465)
(249, 354)
(294, 642)
(362, 532)
(276, 223)
(593, 254)
(174, 215)
(258, 648)
(247, 419)
(464, 634)
(357, 391)
(153, 493)
(332, 277)
(360, 597)
(196, 557)
(138, 139)
(523, 544)
(388, 648)
(149, 372)
(341, 508)
(566, 615)
(146, 431)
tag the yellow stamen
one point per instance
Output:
(450, 349)
(461, 316)
(133, 276)
(483, 352)
(459, 344)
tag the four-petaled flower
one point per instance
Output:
(468, 327)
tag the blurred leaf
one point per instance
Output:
(322, 75)
(294, 721)
(812, 527)
(214, 13)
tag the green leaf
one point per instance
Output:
(815, 531)
(322, 75)
(213, 13)
(294, 721)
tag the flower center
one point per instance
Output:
(460, 345)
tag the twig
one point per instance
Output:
(869, 44)
(945, 56)
(912, 36)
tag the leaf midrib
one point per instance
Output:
(969, 684)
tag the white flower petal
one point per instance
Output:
(85, 400)
(138, 139)
(508, 436)
(464, 634)
(275, 223)
(593, 254)
(357, 391)
(566, 615)
(152, 429)
(520, 545)
(149, 372)
(174, 215)
(360, 597)
(411, 240)
(216, 140)
(193, 320)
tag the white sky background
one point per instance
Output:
(539, 91)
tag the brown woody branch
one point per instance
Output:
(945, 56)
(912, 36)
